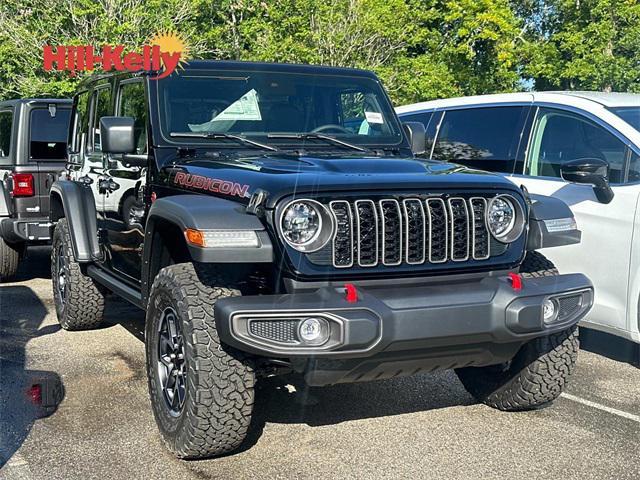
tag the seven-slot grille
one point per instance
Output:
(410, 231)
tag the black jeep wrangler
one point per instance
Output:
(33, 151)
(287, 227)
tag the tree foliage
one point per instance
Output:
(422, 49)
(582, 44)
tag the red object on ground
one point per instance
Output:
(35, 394)
(516, 281)
(352, 294)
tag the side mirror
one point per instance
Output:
(116, 135)
(417, 135)
(589, 171)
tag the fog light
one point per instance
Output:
(549, 311)
(314, 331)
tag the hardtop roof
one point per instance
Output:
(18, 101)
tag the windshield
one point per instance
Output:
(631, 115)
(275, 108)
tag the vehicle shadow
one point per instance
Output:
(287, 399)
(25, 395)
(37, 264)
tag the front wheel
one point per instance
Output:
(201, 390)
(534, 378)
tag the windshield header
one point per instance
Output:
(276, 108)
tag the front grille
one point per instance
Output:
(411, 231)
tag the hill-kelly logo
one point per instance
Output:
(165, 52)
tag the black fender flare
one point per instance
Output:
(202, 212)
(79, 208)
(542, 234)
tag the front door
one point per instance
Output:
(558, 137)
(121, 185)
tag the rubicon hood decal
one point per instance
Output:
(215, 185)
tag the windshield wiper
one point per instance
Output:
(317, 136)
(227, 136)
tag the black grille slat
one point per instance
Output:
(459, 229)
(366, 242)
(437, 230)
(391, 221)
(480, 232)
(343, 239)
(415, 231)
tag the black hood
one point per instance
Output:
(284, 175)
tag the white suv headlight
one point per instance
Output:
(505, 218)
(306, 225)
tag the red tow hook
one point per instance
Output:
(351, 292)
(516, 281)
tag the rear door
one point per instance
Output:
(48, 132)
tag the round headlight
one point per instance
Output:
(306, 225)
(505, 218)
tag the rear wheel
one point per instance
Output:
(78, 299)
(9, 259)
(201, 390)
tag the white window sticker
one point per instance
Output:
(246, 108)
(374, 117)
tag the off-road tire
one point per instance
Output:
(129, 202)
(82, 307)
(9, 259)
(219, 391)
(534, 378)
(537, 265)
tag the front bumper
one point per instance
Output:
(402, 330)
(17, 230)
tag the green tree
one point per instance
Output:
(582, 44)
(27, 25)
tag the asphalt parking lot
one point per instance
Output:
(421, 427)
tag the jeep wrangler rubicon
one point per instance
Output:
(33, 152)
(286, 226)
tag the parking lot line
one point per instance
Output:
(604, 408)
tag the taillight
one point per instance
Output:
(22, 185)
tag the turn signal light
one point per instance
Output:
(222, 238)
(194, 237)
(22, 185)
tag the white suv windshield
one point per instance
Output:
(267, 105)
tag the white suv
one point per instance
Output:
(581, 147)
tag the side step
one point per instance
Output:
(115, 285)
